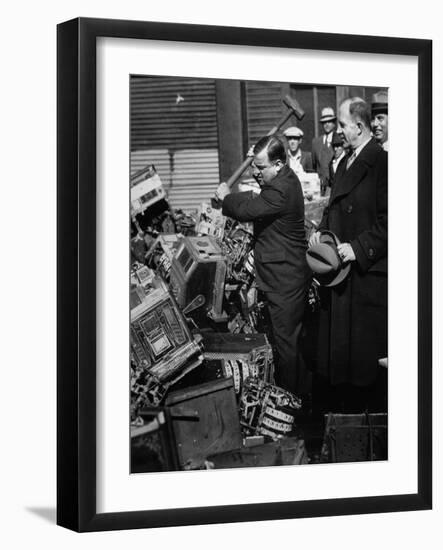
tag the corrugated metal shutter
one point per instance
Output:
(174, 127)
(264, 107)
(158, 157)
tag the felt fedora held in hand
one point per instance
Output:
(325, 262)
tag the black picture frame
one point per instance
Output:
(76, 264)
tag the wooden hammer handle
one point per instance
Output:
(247, 162)
(294, 109)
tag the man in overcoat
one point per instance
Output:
(353, 316)
(322, 152)
(279, 253)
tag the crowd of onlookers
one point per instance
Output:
(328, 149)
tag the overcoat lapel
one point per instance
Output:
(346, 180)
(349, 179)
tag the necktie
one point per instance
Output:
(350, 160)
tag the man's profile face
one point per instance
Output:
(348, 128)
(263, 170)
(294, 143)
(329, 126)
(379, 127)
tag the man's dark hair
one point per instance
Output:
(274, 146)
(360, 110)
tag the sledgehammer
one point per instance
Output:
(293, 109)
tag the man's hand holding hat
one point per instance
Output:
(314, 238)
(328, 258)
(346, 252)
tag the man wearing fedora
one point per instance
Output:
(352, 330)
(300, 161)
(379, 109)
(279, 253)
(322, 146)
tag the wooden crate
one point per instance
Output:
(205, 421)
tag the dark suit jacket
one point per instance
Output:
(280, 242)
(353, 324)
(321, 157)
(332, 174)
(306, 161)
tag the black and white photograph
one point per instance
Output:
(231, 347)
(228, 347)
(258, 215)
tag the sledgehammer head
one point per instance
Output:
(292, 104)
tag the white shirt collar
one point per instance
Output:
(336, 161)
(297, 155)
(358, 150)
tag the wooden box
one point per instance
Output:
(205, 421)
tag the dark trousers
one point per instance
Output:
(286, 312)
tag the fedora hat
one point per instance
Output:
(327, 114)
(325, 262)
(379, 103)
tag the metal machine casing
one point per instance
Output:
(199, 269)
(159, 256)
(241, 356)
(146, 192)
(162, 346)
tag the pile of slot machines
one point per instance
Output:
(198, 324)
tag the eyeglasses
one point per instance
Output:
(293, 137)
(262, 168)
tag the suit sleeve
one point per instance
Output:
(324, 225)
(371, 245)
(247, 206)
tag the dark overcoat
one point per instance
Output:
(322, 154)
(280, 264)
(353, 316)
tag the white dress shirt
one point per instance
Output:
(295, 162)
(336, 162)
